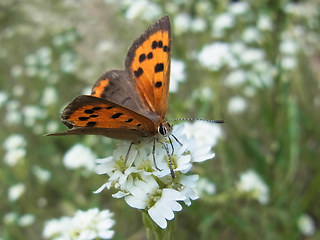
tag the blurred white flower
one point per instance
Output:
(251, 182)
(251, 34)
(222, 22)
(14, 156)
(52, 126)
(104, 46)
(238, 8)
(204, 133)
(237, 105)
(68, 62)
(252, 55)
(182, 23)
(288, 46)
(49, 96)
(42, 174)
(198, 25)
(16, 71)
(145, 187)
(79, 156)
(14, 141)
(15, 149)
(177, 74)
(13, 115)
(142, 8)
(32, 114)
(16, 191)
(84, 225)
(3, 98)
(288, 63)
(236, 78)
(26, 220)
(306, 225)
(216, 55)
(10, 218)
(264, 23)
(205, 187)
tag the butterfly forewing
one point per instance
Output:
(148, 61)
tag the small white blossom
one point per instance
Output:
(49, 96)
(144, 9)
(182, 23)
(42, 174)
(217, 55)
(237, 105)
(264, 23)
(16, 191)
(10, 218)
(177, 74)
(251, 182)
(32, 114)
(288, 46)
(306, 225)
(15, 156)
(205, 187)
(236, 78)
(288, 63)
(3, 98)
(251, 34)
(79, 156)
(238, 8)
(84, 225)
(222, 22)
(14, 141)
(26, 220)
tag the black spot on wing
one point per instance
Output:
(159, 67)
(138, 73)
(116, 115)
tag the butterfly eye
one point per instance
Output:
(162, 130)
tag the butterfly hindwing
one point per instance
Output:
(92, 115)
(148, 63)
(116, 86)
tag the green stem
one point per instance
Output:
(154, 231)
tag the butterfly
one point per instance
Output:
(129, 104)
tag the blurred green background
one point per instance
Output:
(254, 64)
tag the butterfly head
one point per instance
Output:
(164, 129)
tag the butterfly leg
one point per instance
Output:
(126, 158)
(154, 154)
(170, 159)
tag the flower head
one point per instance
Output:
(84, 225)
(146, 182)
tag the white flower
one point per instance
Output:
(14, 141)
(16, 191)
(236, 78)
(177, 74)
(10, 218)
(216, 55)
(49, 96)
(251, 34)
(222, 22)
(32, 113)
(238, 8)
(41, 174)
(288, 46)
(198, 25)
(182, 23)
(237, 105)
(15, 156)
(251, 182)
(264, 23)
(144, 9)
(288, 63)
(79, 156)
(204, 133)
(151, 187)
(163, 209)
(84, 225)
(306, 225)
(26, 220)
(3, 98)
(251, 56)
(205, 187)
(104, 46)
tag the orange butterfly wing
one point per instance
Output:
(148, 62)
(92, 115)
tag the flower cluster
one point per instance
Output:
(85, 225)
(149, 186)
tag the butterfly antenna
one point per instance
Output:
(196, 119)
